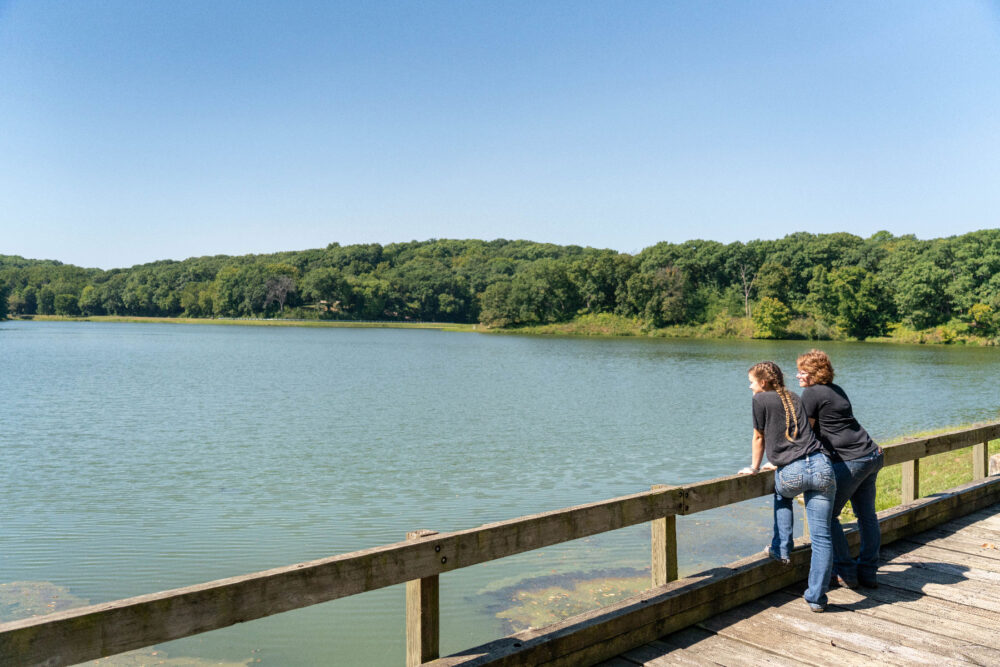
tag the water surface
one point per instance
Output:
(141, 457)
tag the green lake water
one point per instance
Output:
(141, 457)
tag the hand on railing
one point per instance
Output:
(753, 471)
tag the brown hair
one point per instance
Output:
(817, 365)
(770, 378)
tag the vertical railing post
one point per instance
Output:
(664, 546)
(422, 614)
(911, 480)
(981, 460)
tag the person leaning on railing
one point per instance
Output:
(856, 462)
(781, 429)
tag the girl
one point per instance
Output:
(781, 430)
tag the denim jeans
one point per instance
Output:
(856, 482)
(812, 476)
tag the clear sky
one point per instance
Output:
(135, 131)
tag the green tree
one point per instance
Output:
(863, 306)
(328, 289)
(543, 293)
(657, 296)
(770, 318)
(29, 298)
(66, 304)
(46, 301)
(495, 309)
(90, 301)
(774, 280)
(600, 280)
(983, 319)
(921, 294)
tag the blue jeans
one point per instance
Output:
(856, 482)
(812, 476)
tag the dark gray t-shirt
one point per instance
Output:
(838, 430)
(769, 419)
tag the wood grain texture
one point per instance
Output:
(607, 632)
(936, 444)
(910, 481)
(423, 614)
(980, 460)
(663, 541)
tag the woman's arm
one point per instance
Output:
(756, 454)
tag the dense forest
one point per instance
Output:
(803, 285)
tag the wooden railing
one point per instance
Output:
(100, 630)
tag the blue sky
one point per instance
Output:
(135, 131)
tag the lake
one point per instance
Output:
(141, 457)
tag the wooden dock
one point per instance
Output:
(938, 602)
(940, 579)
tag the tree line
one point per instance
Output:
(810, 285)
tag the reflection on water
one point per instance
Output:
(143, 457)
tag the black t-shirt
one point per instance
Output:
(769, 419)
(838, 430)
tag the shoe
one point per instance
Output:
(868, 581)
(818, 608)
(846, 582)
(775, 556)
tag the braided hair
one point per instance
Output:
(770, 378)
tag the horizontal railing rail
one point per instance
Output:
(99, 630)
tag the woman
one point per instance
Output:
(781, 429)
(856, 462)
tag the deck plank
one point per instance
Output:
(893, 598)
(760, 624)
(938, 603)
(987, 547)
(941, 617)
(657, 653)
(879, 639)
(724, 651)
(879, 636)
(987, 517)
(940, 553)
(947, 581)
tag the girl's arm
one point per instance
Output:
(756, 454)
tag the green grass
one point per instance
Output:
(599, 324)
(724, 326)
(937, 473)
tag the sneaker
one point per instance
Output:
(868, 581)
(846, 582)
(773, 555)
(818, 608)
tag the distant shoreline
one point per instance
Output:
(232, 321)
(580, 328)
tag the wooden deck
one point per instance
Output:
(938, 602)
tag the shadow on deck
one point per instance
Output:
(938, 602)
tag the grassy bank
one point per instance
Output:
(937, 473)
(442, 326)
(607, 324)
